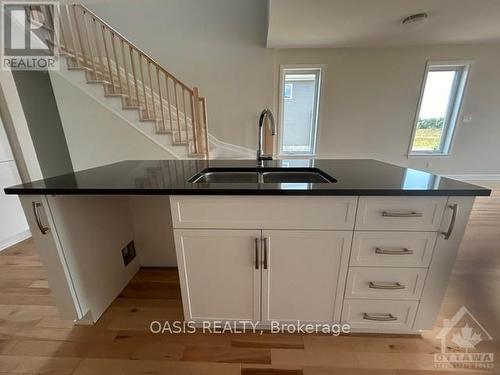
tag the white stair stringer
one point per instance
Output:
(114, 103)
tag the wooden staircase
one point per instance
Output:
(125, 71)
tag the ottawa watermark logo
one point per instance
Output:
(30, 35)
(460, 337)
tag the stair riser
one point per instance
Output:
(149, 128)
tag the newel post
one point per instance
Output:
(197, 128)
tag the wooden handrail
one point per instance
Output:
(139, 50)
(90, 44)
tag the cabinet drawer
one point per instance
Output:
(400, 213)
(379, 315)
(385, 283)
(392, 249)
(268, 212)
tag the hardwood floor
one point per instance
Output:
(33, 340)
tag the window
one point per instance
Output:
(300, 90)
(438, 109)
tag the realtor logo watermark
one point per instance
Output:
(30, 35)
(463, 332)
(246, 326)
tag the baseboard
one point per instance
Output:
(242, 152)
(474, 177)
(14, 239)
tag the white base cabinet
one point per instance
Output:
(302, 277)
(262, 275)
(380, 264)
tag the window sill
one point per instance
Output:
(428, 155)
(296, 156)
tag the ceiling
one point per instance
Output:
(374, 23)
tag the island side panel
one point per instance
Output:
(92, 231)
(443, 259)
(52, 256)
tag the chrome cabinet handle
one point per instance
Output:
(454, 208)
(402, 214)
(257, 253)
(266, 240)
(404, 251)
(35, 206)
(395, 285)
(379, 317)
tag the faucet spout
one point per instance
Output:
(266, 113)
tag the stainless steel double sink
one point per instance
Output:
(262, 175)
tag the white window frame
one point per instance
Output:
(306, 69)
(454, 109)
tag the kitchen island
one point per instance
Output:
(324, 241)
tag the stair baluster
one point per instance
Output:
(118, 73)
(162, 110)
(159, 98)
(108, 60)
(129, 93)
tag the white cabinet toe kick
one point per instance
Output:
(380, 264)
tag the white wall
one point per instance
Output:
(370, 98)
(13, 225)
(95, 135)
(216, 45)
(11, 107)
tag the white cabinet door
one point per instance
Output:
(52, 256)
(219, 273)
(305, 275)
(80, 241)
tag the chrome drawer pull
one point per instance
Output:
(266, 246)
(402, 214)
(257, 253)
(42, 228)
(454, 208)
(404, 251)
(379, 317)
(395, 285)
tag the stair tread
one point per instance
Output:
(97, 71)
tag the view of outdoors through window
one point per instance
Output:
(438, 109)
(300, 104)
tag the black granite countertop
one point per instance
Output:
(157, 177)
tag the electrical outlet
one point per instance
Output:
(467, 118)
(128, 253)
